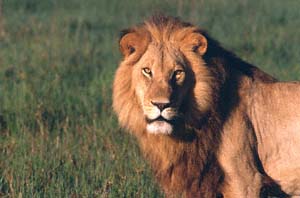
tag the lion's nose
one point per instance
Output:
(161, 105)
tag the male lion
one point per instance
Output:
(210, 124)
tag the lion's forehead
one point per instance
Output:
(162, 57)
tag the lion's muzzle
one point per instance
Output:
(159, 117)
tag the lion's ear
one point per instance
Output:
(133, 42)
(196, 42)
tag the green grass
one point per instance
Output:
(58, 134)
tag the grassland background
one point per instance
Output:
(58, 135)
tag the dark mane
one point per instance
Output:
(216, 50)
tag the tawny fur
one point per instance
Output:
(224, 141)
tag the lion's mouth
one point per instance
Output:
(160, 118)
(160, 122)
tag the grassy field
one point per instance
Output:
(58, 134)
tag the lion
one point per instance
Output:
(210, 124)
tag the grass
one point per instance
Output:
(58, 134)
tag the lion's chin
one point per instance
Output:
(159, 127)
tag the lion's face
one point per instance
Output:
(161, 79)
(160, 72)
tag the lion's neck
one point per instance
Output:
(187, 166)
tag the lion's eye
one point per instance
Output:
(178, 74)
(147, 72)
